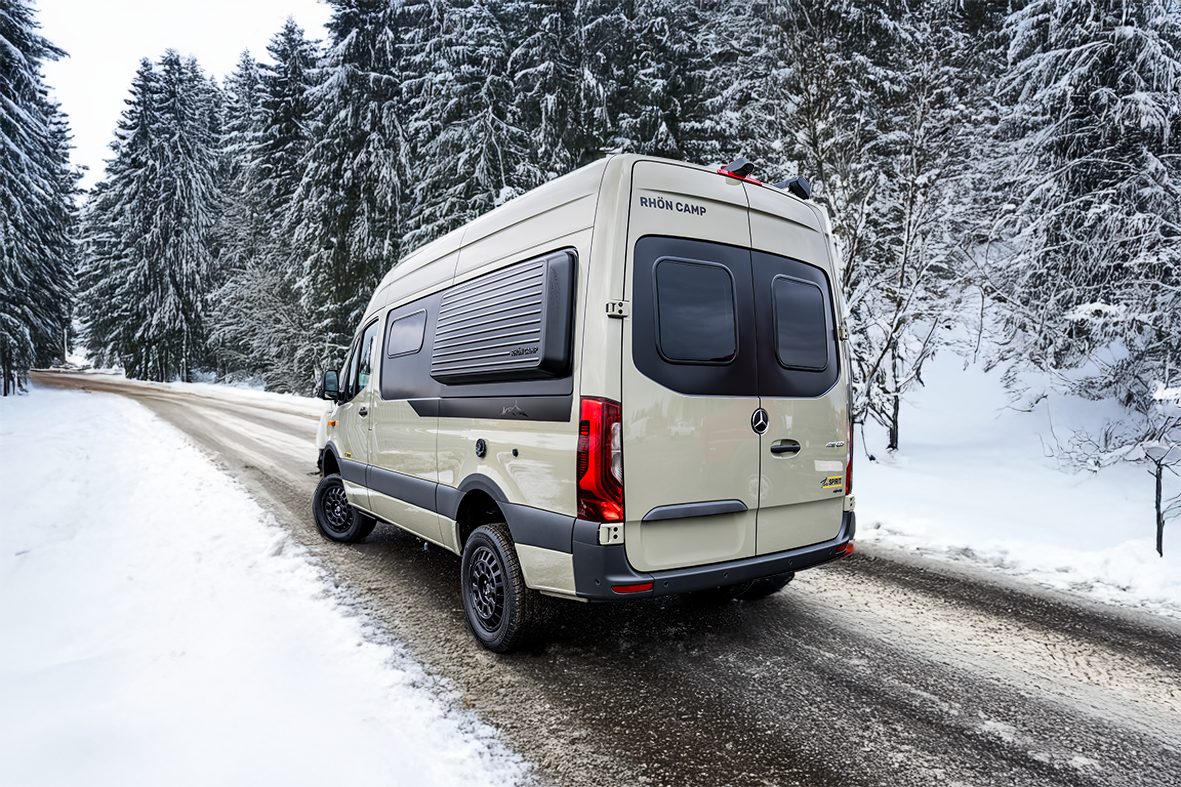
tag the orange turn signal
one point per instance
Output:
(332, 423)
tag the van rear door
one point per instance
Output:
(691, 458)
(803, 451)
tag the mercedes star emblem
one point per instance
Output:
(760, 421)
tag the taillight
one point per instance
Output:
(849, 465)
(600, 461)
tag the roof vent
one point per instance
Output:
(798, 185)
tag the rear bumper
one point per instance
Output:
(598, 568)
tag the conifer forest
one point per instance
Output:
(1003, 178)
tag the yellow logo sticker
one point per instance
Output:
(832, 481)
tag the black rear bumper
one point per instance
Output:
(598, 568)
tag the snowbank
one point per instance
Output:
(977, 480)
(158, 630)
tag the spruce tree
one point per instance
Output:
(547, 81)
(668, 107)
(149, 263)
(261, 323)
(349, 212)
(1091, 289)
(1095, 183)
(36, 204)
(479, 158)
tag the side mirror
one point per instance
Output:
(330, 386)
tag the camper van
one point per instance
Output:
(627, 383)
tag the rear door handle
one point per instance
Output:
(786, 448)
(363, 412)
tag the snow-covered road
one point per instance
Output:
(890, 668)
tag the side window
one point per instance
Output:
(405, 335)
(347, 373)
(801, 336)
(364, 359)
(695, 312)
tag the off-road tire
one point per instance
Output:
(337, 520)
(500, 610)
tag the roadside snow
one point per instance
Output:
(976, 480)
(159, 629)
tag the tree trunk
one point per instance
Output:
(896, 407)
(1160, 516)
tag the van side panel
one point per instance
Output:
(402, 441)
(544, 435)
(602, 343)
(533, 221)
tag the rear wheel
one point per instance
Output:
(500, 609)
(336, 519)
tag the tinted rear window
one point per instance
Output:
(695, 312)
(801, 336)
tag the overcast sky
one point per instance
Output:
(106, 39)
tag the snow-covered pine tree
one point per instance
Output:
(1091, 291)
(478, 159)
(668, 107)
(53, 282)
(1095, 214)
(548, 82)
(108, 302)
(349, 211)
(36, 204)
(148, 263)
(261, 321)
(241, 228)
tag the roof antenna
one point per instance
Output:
(798, 185)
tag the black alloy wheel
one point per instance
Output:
(486, 585)
(336, 519)
(500, 609)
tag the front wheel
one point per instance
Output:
(500, 609)
(336, 519)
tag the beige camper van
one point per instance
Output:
(627, 383)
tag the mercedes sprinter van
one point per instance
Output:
(629, 382)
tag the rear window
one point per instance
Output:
(695, 312)
(801, 336)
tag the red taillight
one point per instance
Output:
(600, 461)
(849, 465)
(632, 588)
(845, 549)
